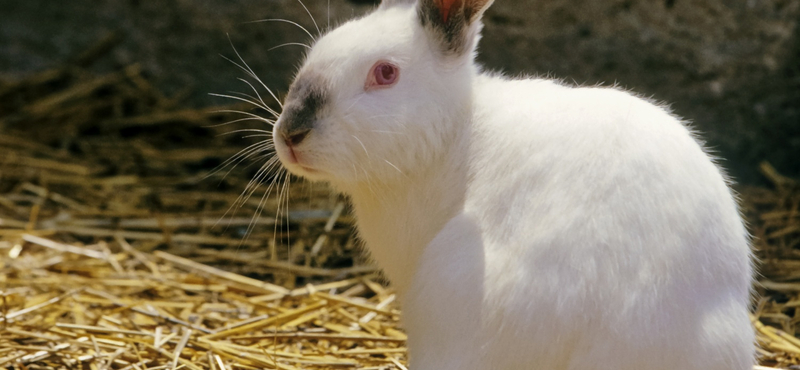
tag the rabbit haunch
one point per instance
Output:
(525, 224)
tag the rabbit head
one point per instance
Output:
(380, 96)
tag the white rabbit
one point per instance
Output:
(524, 223)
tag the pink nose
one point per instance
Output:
(295, 138)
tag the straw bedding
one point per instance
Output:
(118, 253)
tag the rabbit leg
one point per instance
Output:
(443, 307)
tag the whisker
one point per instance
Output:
(249, 149)
(252, 115)
(253, 184)
(286, 199)
(257, 181)
(240, 99)
(289, 44)
(254, 90)
(311, 16)
(352, 105)
(270, 110)
(395, 167)
(258, 158)
(259, 208)
(268, 166)
(235, 206)
(265, 168)
(250, 72)
(245, 70)
(238, 158)
(281, 172)
(285, 21)
(362, 145)
(288, 185)
(254, 158)
(369, 183)
(257, 214)
(245, 130)
(253, 99)
(281, 193)
(235, 121)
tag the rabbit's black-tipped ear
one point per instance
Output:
(453, 23)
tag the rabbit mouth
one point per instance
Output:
(288, 154)
(292, 156)
(293, 160)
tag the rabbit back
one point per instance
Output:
(611, 239)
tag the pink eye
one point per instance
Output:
(382, 75)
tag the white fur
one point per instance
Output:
(524, 223)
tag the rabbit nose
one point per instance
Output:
(295, 137)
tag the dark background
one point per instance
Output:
(731, 67)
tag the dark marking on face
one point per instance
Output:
(307, 97)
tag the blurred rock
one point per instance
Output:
(731, 67)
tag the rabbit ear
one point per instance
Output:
(452, 22)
